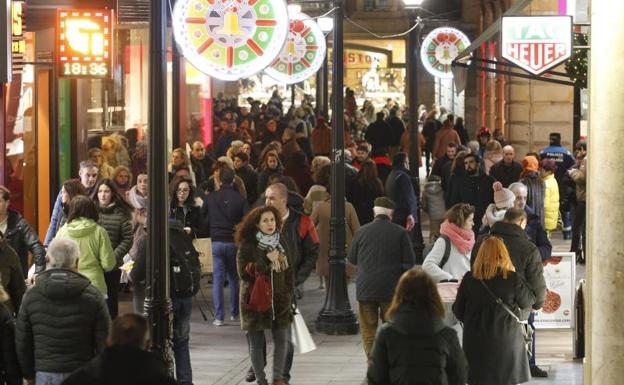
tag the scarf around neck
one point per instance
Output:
(268, 242)
(463, 239)
(137, 201)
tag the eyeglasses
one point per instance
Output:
(183, 190)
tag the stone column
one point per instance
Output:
(605, 197)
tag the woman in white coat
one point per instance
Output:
(457, 228)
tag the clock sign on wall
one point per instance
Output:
(230, 39)
(303, 52)
(439, 48)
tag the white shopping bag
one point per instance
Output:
(300, 335)
(448, 291)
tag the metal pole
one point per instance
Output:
(157, 301)
(337, 317)
(292, 95)
(576, 129)
(326, 86)
(318, 110)
(175, 94)
(414, 149)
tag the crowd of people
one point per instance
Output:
(262, 193)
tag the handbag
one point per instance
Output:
(203, 246)
(524, 328)
(260, 294)
(300, 335)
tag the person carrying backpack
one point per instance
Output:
(449, 258)
(185, 273)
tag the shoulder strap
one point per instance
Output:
(447, 250)
(500, 302)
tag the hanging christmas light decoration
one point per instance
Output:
(230, 39)
(576, 66)
(303, 53)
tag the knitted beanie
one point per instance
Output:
(503, 197)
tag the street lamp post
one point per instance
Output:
(327, 25)
(412, 59)
(157, 301)
(337, 317)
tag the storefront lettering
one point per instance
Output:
(18, 44)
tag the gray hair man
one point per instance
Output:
(66, 299)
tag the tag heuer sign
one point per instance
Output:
(537, 43)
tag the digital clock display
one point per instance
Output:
(84, 43)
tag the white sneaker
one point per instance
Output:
(234, 318)
(218, 322)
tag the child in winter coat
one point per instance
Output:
(551, 194)
(433, 204)
(503, 199)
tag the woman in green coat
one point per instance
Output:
(96, 253)
(262, 257)
(115, 217)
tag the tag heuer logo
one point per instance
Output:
(537, 43)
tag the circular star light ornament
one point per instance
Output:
(440, 48)
(230, 39)
(303, 52)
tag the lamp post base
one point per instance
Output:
(337, 322)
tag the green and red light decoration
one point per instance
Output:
(230, 39)
(439, 48)
(303, 53)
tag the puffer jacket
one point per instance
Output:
(11, 276)
(282, 284)
(23, 239)
(303, 243)
(62, 324)
(579, 176)
(551, 202)
(118, 226)
(96, 253)
(433, 200)
(411, 348)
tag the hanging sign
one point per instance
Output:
(230, 39)
(440, 48)
(558, 309)
(83, 42)
(303, 53)
(536, 43)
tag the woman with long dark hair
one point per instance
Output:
(263, 259)
(184, 207)
(415, 343)
(270, 165)
(493, 339)
(96, 252)
(115, 216)
(364, 189)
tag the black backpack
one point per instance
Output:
(447, 249)
(185, 269)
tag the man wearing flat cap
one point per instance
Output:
(382, 251)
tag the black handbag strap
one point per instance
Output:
(500, 302)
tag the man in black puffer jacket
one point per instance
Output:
(20, 235)
(63, 321)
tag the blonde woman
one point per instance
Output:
(493, 339)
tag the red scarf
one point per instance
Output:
(463, 239)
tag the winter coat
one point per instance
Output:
(430, 128)
(536, 233)
(55, 219)
(302, 239)
(316, 195)
(265, 175)
(475, 190)
(400, 190)
(384, 167)
(535, 193)
(117, 365)
(526, 259)
(11, 276)
(190, 215)
(551, 203)
(202, 168)
(457, 265)
(23, 239)
(62, 324)
(405, 145)
(382, 251)
(96, 252)
(442, 138)
(433, 200)
(397, 128)
(118, 226)
(362, 197)
(563, 159)
(493, 341)
(413, 349)
(579, 176)
(10, 371)
(301, 175)
(439, 164)
(506, 174)
(250, 180)
(226, 208)
(321, 217)
(239, 185)
(378, 134)
(280, 314)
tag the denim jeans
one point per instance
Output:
(49, 378)
(281, 338)
(138, 297)
(224, 262)
(532, 358)
(181, 329)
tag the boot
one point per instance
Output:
(279, 382)
(251, 376)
